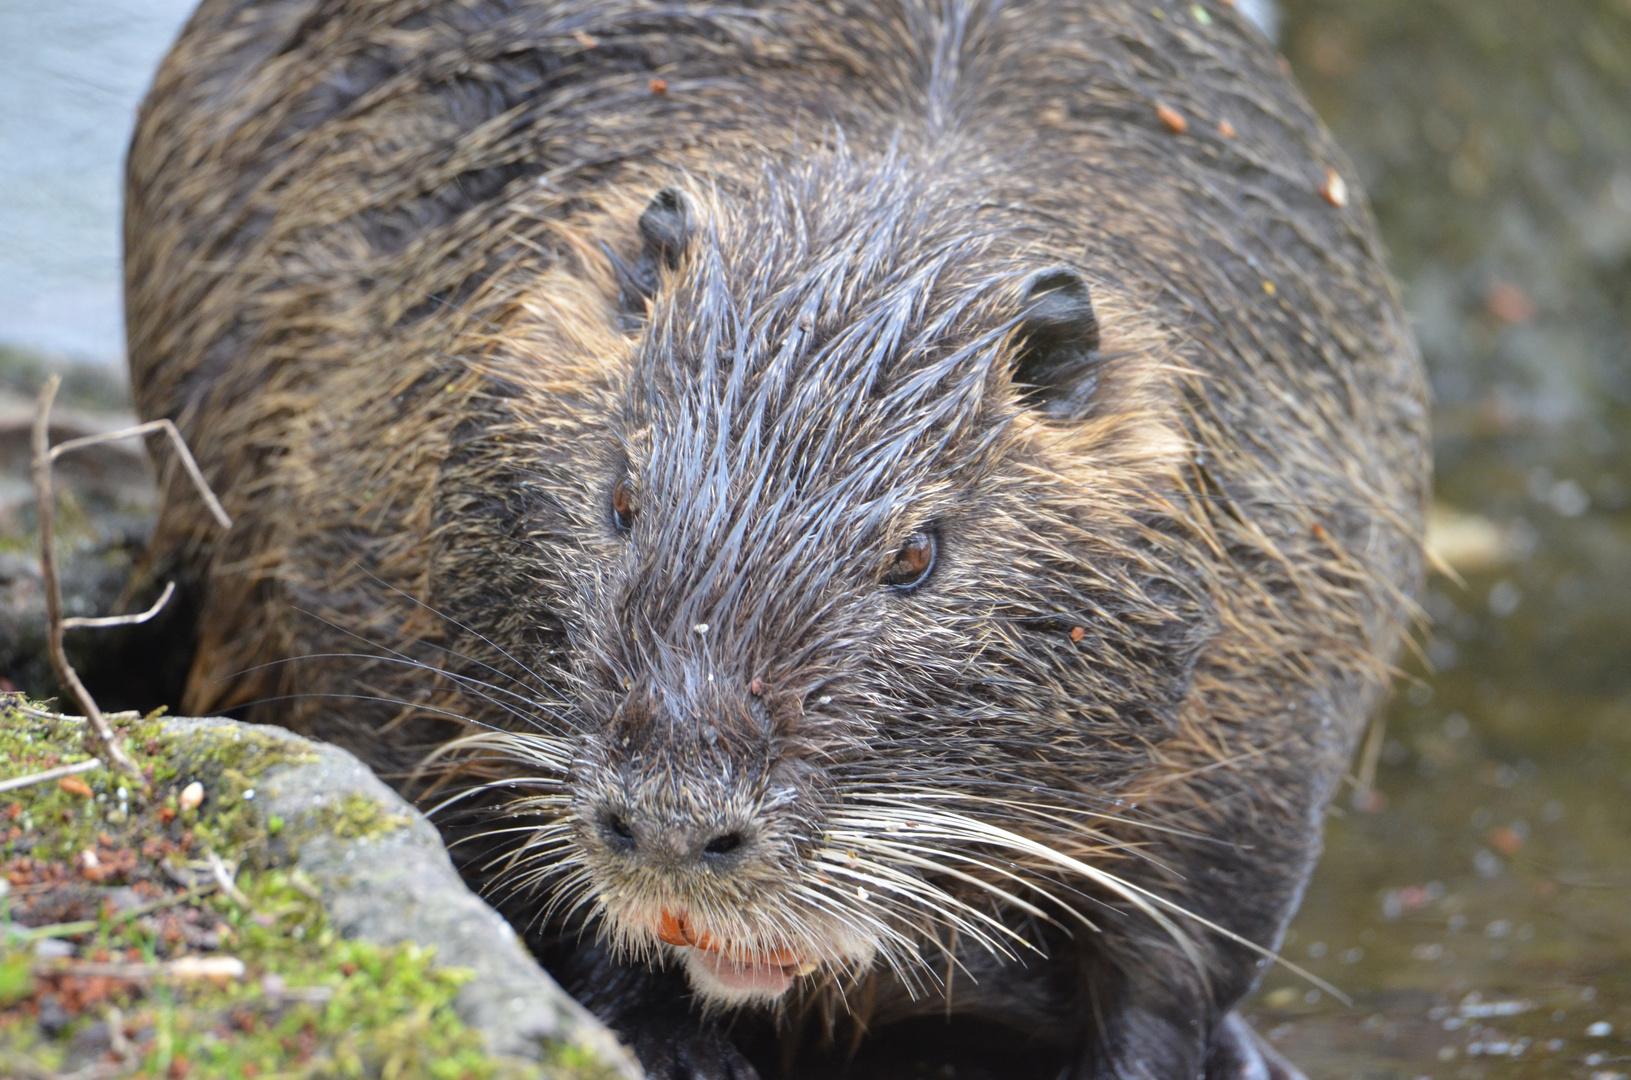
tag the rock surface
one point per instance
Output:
(321, 909)
(391, 880)
(396, 883)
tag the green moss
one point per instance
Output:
(227, 762)
(576, 1063)
(357, 817)
(310, 1003)
(16, 980)
(49, 820)
(236, 755)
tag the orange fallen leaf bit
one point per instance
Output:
(73, 785)
(1507, 841)
(1171, 119)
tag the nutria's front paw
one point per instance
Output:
(688, 1051)
(1239, 1053)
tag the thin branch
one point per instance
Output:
(50, 774)
(25, 934)
(44, 455)
(123, 620)
(1364, 798)
(182, 968)
(46, 500)
(164, 902)
(117, 1042)
(169, 428)
(26, 709)
(223, 878)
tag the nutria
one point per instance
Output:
(909, 501)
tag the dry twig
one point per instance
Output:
(44, 455)
(117, 1042)
(123, 620)
(66, 675)
(223, 877)
(181, 968)
(50, 774)
(188, 462)
(74, 929)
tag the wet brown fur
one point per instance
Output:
(370, 273)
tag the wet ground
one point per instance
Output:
(1480, 913)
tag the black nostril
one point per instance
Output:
(623, 836)
(723, 845)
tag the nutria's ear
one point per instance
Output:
(665, 229)
(1056, 363)
(665, 224)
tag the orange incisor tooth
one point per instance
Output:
(676, 930)
(671, 929)
(783, 958)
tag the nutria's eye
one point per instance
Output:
(622, 506)
(912, 563)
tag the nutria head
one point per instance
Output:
(839, 571)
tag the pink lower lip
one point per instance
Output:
(757, 978)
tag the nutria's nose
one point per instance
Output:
(675, 844)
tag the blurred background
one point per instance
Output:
(71, 73)
(1478, 909)
(1475, 904)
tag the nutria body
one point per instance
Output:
(933, 485)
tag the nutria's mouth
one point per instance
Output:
(729, 970)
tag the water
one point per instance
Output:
(71, 73)
(1478, 912)
(1481, 918)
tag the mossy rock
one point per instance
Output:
(346, 944)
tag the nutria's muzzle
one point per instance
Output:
(669, 843)
(677, 785)
(694, 833)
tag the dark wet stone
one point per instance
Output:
(88, 1046)
(53, 1018)
(106, 502)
